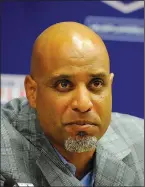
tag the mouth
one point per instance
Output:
(87, 127)
(81, 123)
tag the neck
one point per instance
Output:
(79, 160)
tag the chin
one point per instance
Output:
(79, 144)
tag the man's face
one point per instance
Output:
(74, 94)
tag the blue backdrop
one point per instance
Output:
(22, 22)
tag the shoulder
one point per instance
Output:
(11, 110)
(17, 115)
(10, 122)
(125, 117)
(16, 149)
(130, 128)
(127, 121)
(10, 114)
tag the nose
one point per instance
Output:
(81, 101)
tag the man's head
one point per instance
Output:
(70, 85)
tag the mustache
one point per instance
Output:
(81, 122)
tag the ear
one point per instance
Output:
(111, 77)
(31, 90)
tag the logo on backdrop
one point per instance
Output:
(125, 7)
(116, 28)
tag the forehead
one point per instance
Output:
(76, 56)
(79, 71)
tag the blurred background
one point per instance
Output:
(119, 23)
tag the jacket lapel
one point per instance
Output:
(110, 170)
(53, 169)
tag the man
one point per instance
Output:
(64, 133)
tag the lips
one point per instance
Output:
(81, 123)
(76, 127)
(86, 126)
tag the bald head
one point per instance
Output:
(70, 40)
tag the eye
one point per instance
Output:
(63, 85)
(96, 84)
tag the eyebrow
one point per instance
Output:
(54, 78)
(102, 74)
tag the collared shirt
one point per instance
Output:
(87, 180)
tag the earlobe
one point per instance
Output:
(30, 89)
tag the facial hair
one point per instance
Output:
(80, 144)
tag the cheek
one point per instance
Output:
(103, 105)
(106, 110)
(104, 100)
(44, 105)
(60, 103)
(107, 102)
(53, 103)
